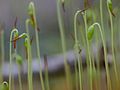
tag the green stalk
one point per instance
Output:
(19, 62)
(101, 14)
(30, 84)
(34, 23)
(105, 57)
(38, 50)
(2, 54)
(19, 77)
(14, 31)
(88, 49)
(113, 52)
(98, 63)
(61, 28)
(77, 48)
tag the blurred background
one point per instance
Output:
(46, 19)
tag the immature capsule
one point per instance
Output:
(109, 4)
(90, 32)
(31, 12)
(19, 59)
(31, 8)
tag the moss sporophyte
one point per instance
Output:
(32, 20)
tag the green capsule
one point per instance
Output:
(19, 59)
(31, 8)
(90, 32)
(109, 5)
(26, 42)
(4, 86)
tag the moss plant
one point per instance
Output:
(91, 30)
(33, 21)
(27, 44)
(4, 86)
(14, 32)
(77, 47)
(88, 48)
(61, 28)
(109, 6)
(30, 61)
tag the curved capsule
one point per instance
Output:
(90, 32)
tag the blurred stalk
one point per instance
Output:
(63, 43)
(113, 51)
(19, 77)
(88, 49)
(30, 81)
(34, 21)
(101, 14)
(2, 54)
(13, 33)
(46, 72)
(77, 48)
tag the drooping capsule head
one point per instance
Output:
(109, 5)
(90, 32)
(15, 36)
(31, 8)
(31, 13)
(26, 42)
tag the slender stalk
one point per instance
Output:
(88, 49)
(19, 77)
(47, 79)
(14, 31)
(67, 72)
(38, 50)
(2, 54)
(30, 84)
(46, 72)
(113, 51)
(105, 57)
(77, 47)
(34, 21)
(101, 14)
(19, 62)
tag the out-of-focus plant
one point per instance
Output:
(4, 86)
(110, 10)
(63, 43)
(32, 20)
